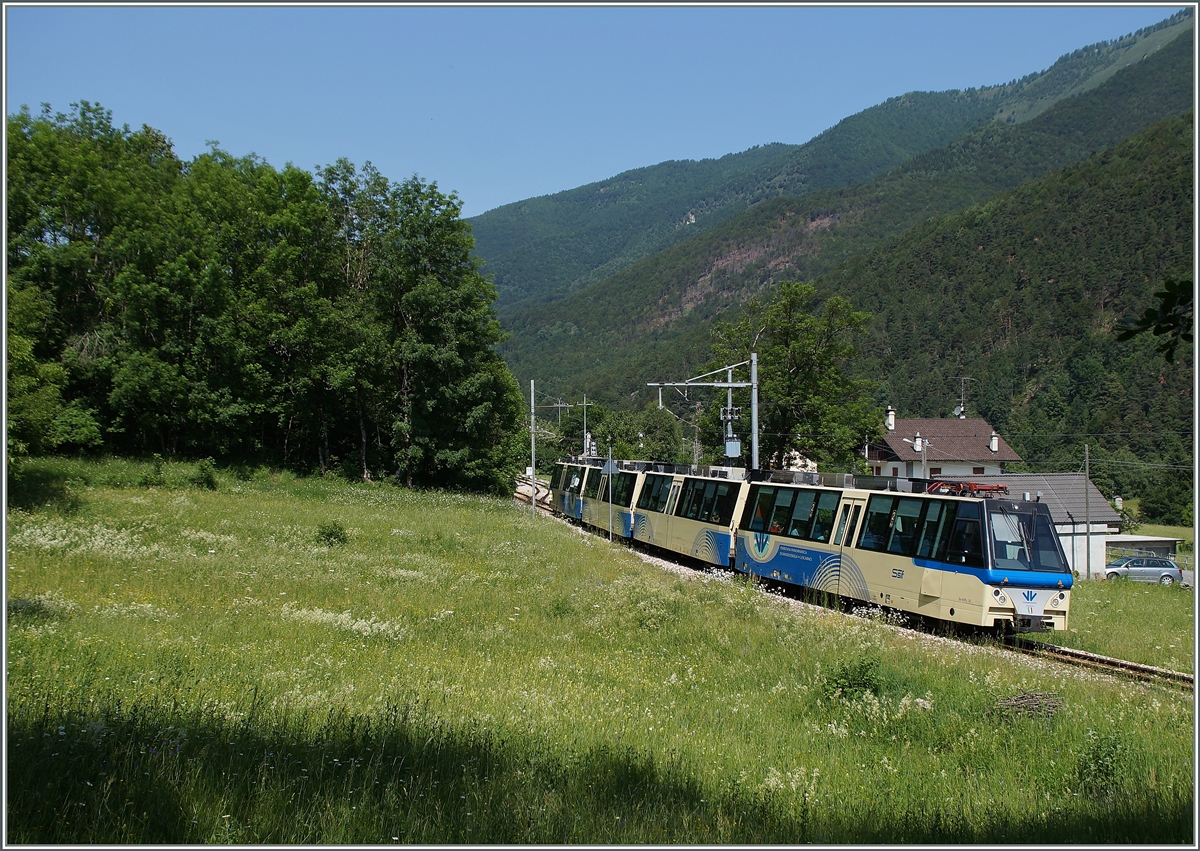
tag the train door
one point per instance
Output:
(671, 528)
(847, 524)
(843, 538)
(676, 486)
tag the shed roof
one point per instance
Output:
(950, 440)
(1063, 493)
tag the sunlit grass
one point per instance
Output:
(1137, 621)
(187, 665)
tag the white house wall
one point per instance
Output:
(1074, 540)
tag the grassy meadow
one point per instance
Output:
(241, 656)
(1150, 624)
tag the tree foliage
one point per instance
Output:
(808, 406)
(1171, 318)
(222, 307)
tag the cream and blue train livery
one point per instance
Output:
(949, 551)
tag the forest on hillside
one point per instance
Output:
(542, 249)
(654, 315)
(1025, 294)
(335, 321)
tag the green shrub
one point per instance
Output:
(1100, 763)
(205, 475)
(154, 477)
(856, 676)
(332, 534)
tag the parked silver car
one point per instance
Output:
(1144, 569)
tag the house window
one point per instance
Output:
(935, 471)
(976, 471)
(895, 471)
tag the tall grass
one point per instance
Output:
(195, 665)
(1150, 624)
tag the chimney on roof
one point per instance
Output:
(994, 442)
(891, 418)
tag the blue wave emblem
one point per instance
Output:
(838, 574)
(711, 546)
(1029, 596)
(642, 530)
(761, 544)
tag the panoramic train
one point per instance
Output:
(952, 551)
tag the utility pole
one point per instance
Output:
(532, 452)
(961, 410)
(729, 384)
(560, 404)
(587, 449)
(1087, 508)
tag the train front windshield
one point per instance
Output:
(1024, 540)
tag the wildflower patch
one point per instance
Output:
(346, 621)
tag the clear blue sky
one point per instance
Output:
(504, 103)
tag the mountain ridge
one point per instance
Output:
(543, 248)
(660, 298)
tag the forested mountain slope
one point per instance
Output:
(543, 248)
(1022, 294)
(649, 322)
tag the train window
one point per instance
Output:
(934, 527)
(1010, 542)
(654, 492)
(710, 497)
(758, 508)
(622, 489)
(591, 486)
(1023, 542)
(782, 510)
(696, 501)
(689, 500)
(904, 526)
(1046, 550)
(672, 499)
(802, 514)
(966, 538)
(878, 525)
(841, 529)
(822, 524)
(575, 479)
(556, 480)
(853, 523)
(725, 502)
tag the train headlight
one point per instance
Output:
(999, 595)
(1054, 602)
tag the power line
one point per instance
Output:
(1096, 460)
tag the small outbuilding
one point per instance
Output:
(1141, 545)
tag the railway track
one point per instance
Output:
(1080, 658)
(1021, 644)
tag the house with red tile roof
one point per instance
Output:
(946, 447)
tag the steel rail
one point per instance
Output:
(1084, 659)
